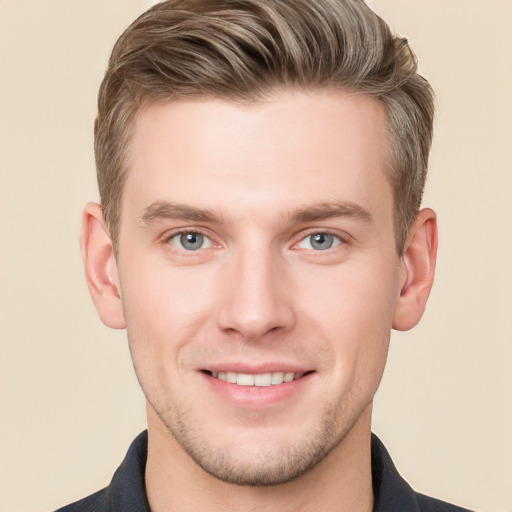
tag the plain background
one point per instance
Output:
(70, 404)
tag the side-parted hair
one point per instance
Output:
(243, 50)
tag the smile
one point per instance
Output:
(259, 379)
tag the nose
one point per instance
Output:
(257, 296)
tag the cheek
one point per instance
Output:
(355, 295)
(353, 308)
(164, 308)
(156, 293)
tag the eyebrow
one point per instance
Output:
(330, 210)
(171, 210)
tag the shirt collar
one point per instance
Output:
(127, 491)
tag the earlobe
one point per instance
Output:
(100, 267)
(418, 266)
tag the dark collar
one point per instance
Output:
(390, 490)
(127, 491)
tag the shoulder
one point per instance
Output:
(127, 491)
(428, 504)
(393, 493)
(96, 502)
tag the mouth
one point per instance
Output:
(258, 379)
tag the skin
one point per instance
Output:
(257, 182)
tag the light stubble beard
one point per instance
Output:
(266, 466)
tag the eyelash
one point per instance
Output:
(179, 234)
(337, 240)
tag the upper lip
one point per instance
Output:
(255, 369)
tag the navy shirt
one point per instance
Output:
(127, 491)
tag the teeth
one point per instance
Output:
(244, 379)
(288, 377)
(231, 377)
(277, 378)
(260, 379)
(263, 379)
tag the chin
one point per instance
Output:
(261, 465)
(248, 460)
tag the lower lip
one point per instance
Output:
(256, 396)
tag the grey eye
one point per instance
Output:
(190, 241)
(320, 241)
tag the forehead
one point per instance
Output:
(293, 148)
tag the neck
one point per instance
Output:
(341, 482)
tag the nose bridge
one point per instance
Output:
(257, 300)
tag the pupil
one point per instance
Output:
(192, 240)
(322, 241)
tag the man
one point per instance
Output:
(261, 165)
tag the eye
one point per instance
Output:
(319, 241)
(190, 241)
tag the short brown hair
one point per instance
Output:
(242, 50)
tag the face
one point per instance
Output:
(258, 275)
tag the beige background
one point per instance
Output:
(69, 402)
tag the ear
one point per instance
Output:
(418, 267)
(100, 267)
